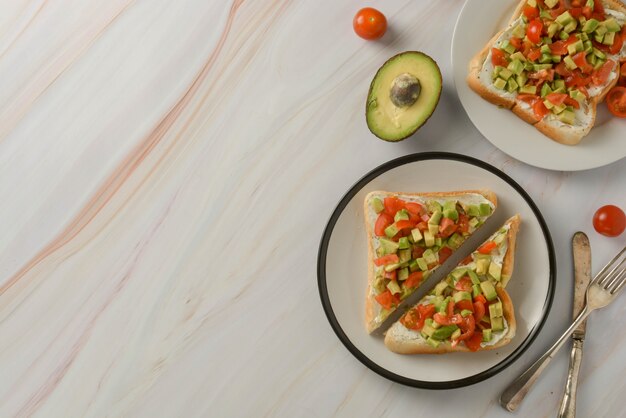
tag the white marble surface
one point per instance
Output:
(166, 171)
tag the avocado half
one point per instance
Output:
(402, 95)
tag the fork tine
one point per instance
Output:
(601, 277)
(612, 276)
(617, 282)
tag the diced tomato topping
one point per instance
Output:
(533, 54)
(404, 225)
(559, 10)
(530, 12)
(386, 299)
(465, 304)
(618, 42)
(556, 99)
(467, 260)
(558, 48)
(533, 31)
(444, 253)
(382, 222)
(562, 70)
(576, 12)
(498, 57)
(443, 319)
(487, 247)
(587, 12)
(598, 8)
(422, 226)
(450, 308)
(414, 279)
(581, 62)
(468, 325)
(473, 342)
(447, 227)
(386, 259)
(540, 110)
(571, 102)
(516, 42)
(417, 252)
(481, 299)
(393, 205)
(414, 209)
(414, 318)
(622, 75)
(464, 283)
(578, 3)
(577, 79)
(601, 75)
(479, 310)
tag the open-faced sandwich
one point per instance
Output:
(410, 235)
(554, 63)
(467, 311)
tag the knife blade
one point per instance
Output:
(582, 276)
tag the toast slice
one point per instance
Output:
(570, 127)
(484, 275)
(409, 236)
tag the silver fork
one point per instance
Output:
(602, 290)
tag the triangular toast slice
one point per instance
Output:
(409, 236)
(482, 316)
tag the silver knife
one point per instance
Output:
(582, 276)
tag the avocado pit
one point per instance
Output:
(405, 90)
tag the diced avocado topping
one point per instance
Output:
(505, 74)
(484, 209)
(590, 25)
(377, 205)
(393, 287)
(403, 243)
(519, 31)
(518, 56)
(506, 45)
(568, 117)
(459, 296)
(388, 246)
(532, 3)
(601, 30)
(404, 254)
(466, 312)
(433, 343)
(554, 28)
(472, 210)
(497, 324)
(416, 234)
(563, 35)
(429, 239)
(379, 284)
(391, 231)
(413, 266)
(401, 215)
(482, 265)
(486, 335)
(570, 27)
(475, 290)
(433, 206)
(444, 332)
(494, 271)
(511, 85)
(489, 290)
(474, 223)
(435, 218)
(598, 53)
(545, 90)
(442, 305)
(611, 25)
(455, 241)
(429, 256)
(499, 83)
(422, 264)
(458, 273)
(452, 213)
(577, 46)
(428, 328)
(440, 287)
(433, 229)
(609, 38)
(455, 335)
(564, 18)
(392, 267)
(495, 310)
(403, 274)
(551, 3)
(528, 90)
(516, 66)
(473, 277)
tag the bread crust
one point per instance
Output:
(420, 346)
(558, 133)
(372, 308)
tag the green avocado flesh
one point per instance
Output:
(403, 95)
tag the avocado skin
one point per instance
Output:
(369, 93)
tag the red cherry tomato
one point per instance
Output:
(531, 12)
(616, 101)
(609, 220)
(382, 222)
(618, 42)
(369, 23)
(533, 32)
(622, 76)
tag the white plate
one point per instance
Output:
(342, 269)
(478, 22)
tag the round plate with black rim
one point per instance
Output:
(342, 269)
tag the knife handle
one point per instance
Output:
(568, 404)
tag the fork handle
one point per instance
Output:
(568, 404)
(515, 393)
